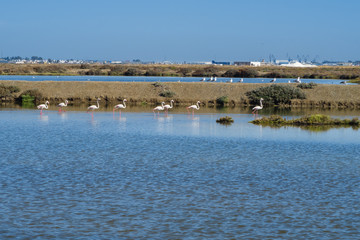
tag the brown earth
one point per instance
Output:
(323, 95)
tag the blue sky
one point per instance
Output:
(181, 30)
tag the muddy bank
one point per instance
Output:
(325, 96)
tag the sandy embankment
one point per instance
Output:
(207, 93)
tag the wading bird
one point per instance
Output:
(43, 106)
(159, 108)
(297, 80)
(257, 108)
(167, 106)
(61, 105)
(93, 107)
(273, 80)
(197, 107)
(120, 106)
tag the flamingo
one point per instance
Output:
(120, 106)
(61, 105)
(167, 106)
(197, 107)
(257, 108)
(159, 108)
(93, 107)
(43, 106)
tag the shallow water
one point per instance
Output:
(178, 176)
(158, 79)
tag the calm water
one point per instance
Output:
(71, 176)
(155, 79)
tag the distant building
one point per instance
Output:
(242, 63)
(280, 62)
(220, 63)
(255, 64)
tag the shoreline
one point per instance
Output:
(137, 93)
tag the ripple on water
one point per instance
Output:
(69, 179)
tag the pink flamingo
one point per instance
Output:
(120, 106)
(61, 105)
(93, 107)
(197, 107)
(43, 106)
(167, 106)
(257, 108)
(159, 108)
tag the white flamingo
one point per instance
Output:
(193, 107)
(61, 105)
(93, 107)
(257, 108)
(43, 106)
(159, 108)
(167, 106)
(120, 106)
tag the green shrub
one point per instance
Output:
(309, 85)
(167, 94)
(222, 100)
(275, 94)
(32, 95)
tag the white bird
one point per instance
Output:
(215, 79)
(343, 82)
(273, 80)
(289, 81)
(120, 106)
(241, 80)
(159, 108)
(43, 106)
(211, 79)
(297, 80)
(61, 105)
(93, 107)
(197, 107)
(230, 81)
(257, 108)
(202, 80)
(167, 106)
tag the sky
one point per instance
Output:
(181, 30)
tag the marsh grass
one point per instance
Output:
(225, 120)
(311, 120)
(323, 72)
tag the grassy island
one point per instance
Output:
(312, 120)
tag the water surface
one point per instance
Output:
(141, 176)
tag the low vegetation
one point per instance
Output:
(225, 120)
(30, 96)
(275, 94)
(7, 91)
(309, 85)
(222, 100)
(311, 120)
(323, 72)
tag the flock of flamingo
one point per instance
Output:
(120, 106)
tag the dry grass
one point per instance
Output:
(180, 70)
(328, 96)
